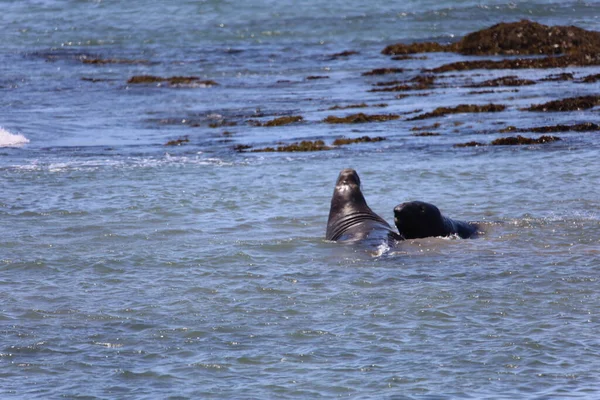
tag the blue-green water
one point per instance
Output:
(131, 269)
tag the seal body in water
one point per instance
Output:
(417, 219)
(350, 218)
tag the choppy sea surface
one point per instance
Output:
(132, 269)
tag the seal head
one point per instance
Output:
(350, 218)
(417, 219)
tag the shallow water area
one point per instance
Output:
(132, 268)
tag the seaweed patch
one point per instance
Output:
(462, 108)
(363, 139)
(360, 118)
(568, 104)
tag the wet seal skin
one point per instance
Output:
(417, 219)
(350, 218)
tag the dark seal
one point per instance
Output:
(350, 218)
(417, 219)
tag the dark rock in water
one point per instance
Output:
(240, 148)
(173, 81)
(520, 140)
(421, 82)
(178, 142)
(305, 145)
(343, 54)
(513, 38)
(512, 141)
(283, 120)
(568, 104)
(565, 76)
(316, 77)
(427, 127)
(222, 123)
(103, 61)
(582, 127)
(470, 144)
(424, 47)
(503, 81)
(361, 105)
(359, 118)
(590, 78)
(462, 108)
(528, 37)
(383, 71)
(567, 61)
(363, 139)
(426, 134)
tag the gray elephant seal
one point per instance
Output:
(417, 219)
(350, 218)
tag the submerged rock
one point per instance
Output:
(361, 105)
(590, 78)
(427, 134)
(363, 139)
(424, 47)
(520, 140)
(510, 80)
(305, 145)
(565, 76)
(567, 61)
(462, 108)
(178, 142)
(102, 61)
(470, 144)
(383, 71)
(343, 54)
(512, 141)
(360, 118)
(173, 81)
(421, 82)
(568, 104)
(284, 120)
(582, 127)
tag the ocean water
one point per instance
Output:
(131, 269)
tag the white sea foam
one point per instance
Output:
(8, 139)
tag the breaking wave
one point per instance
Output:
(8, 139)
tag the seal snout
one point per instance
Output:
(348, 176)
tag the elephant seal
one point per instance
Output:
(350, 218)
(417, 219)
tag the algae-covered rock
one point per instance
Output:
(360, 118)
(283, 120)
(504, 81)
(470, 144)
(173, 81)
(178, 142)
(513, 38)
(383, 71)
(520, 140)
(581, 127)
(424, 47)
(568, 104)
(305, 145)
(363, 139)
(462, 108)
(528, 37)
